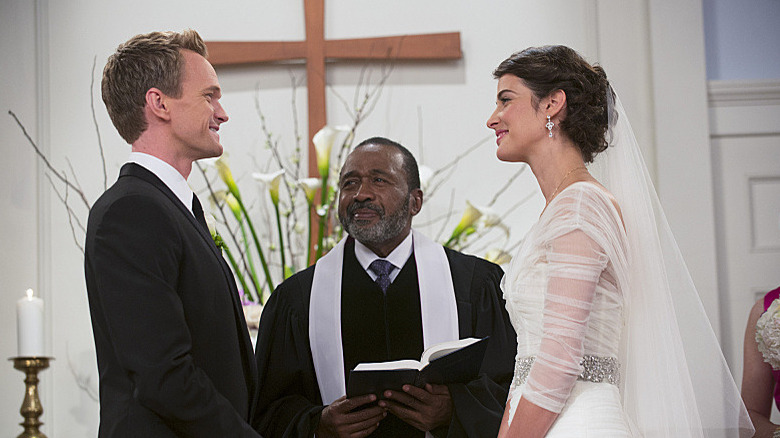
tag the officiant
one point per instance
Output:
(385, 292)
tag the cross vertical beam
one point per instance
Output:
(316, 50)
(315, 73)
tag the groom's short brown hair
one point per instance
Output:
(151, 60)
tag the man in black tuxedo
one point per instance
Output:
(173, 351)
(384, 293)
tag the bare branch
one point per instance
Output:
(516, 206)
(459, 157)
(94, 121)
(75, 175)
(509, 182)
(83, 382)
(296, 124)
(420, 133)
(448, 215)
(72, 216)
(45, 160)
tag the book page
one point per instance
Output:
(444, 348)
(393, 365)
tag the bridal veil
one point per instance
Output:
(675, 381)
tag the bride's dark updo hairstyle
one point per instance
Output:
(549, 68)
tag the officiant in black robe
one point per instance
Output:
(320, 323)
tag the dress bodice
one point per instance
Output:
(562, 291)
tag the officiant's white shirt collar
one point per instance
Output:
(398, 257)
(167, 173)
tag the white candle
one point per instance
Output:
(29, 326)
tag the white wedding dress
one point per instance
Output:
(565, 300)
(611, 333)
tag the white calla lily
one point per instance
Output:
(498, 256)
(488, 217)
(323, 144)
(470, 216)
(233, 204)
(271, 180)
(211, 222)
(310, 187)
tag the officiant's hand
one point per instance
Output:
(338, 420)
(425, 409)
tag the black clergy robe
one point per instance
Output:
(378, 328)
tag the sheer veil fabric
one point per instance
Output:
(674, 378)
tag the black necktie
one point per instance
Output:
(197, 210)
(382, 268)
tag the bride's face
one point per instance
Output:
(518, 125)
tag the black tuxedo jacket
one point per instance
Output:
(174, 355)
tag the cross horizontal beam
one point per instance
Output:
(446, 45)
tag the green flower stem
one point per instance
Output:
(308, 240)
(236, 269)
(249, 260)
(281, 239)
(452, 240)
(267, 273)
(320, 237)
(324, 217)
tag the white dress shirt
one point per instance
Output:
(397, 257)
(167, 173)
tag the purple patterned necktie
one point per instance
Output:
(382, 268)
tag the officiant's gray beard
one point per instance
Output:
(388, 227)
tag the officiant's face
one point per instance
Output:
(375, 203)
(196, 114)
(519, 126)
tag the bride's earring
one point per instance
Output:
(549, 125)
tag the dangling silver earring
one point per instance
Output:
(549, 125)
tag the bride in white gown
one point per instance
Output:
(612, 339)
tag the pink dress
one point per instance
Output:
(768, 298)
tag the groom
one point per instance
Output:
(322, 322)
(174, 354)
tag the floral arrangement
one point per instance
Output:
(301, 206)
(261, 261)
(768, 334)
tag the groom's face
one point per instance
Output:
(375, 203)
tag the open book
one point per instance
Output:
(449, 362)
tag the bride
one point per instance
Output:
(612, 339)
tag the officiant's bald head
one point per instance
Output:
(152, 60)
(379, 194)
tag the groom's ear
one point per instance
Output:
(555, 103)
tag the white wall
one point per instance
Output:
(20, 196)
(743, 39)
(436, 109)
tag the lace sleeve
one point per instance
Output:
(575, 263)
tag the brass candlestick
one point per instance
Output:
(31, 406)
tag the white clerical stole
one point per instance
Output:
(437, 305)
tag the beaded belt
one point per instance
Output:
(594, 369)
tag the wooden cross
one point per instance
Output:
(316, 49)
